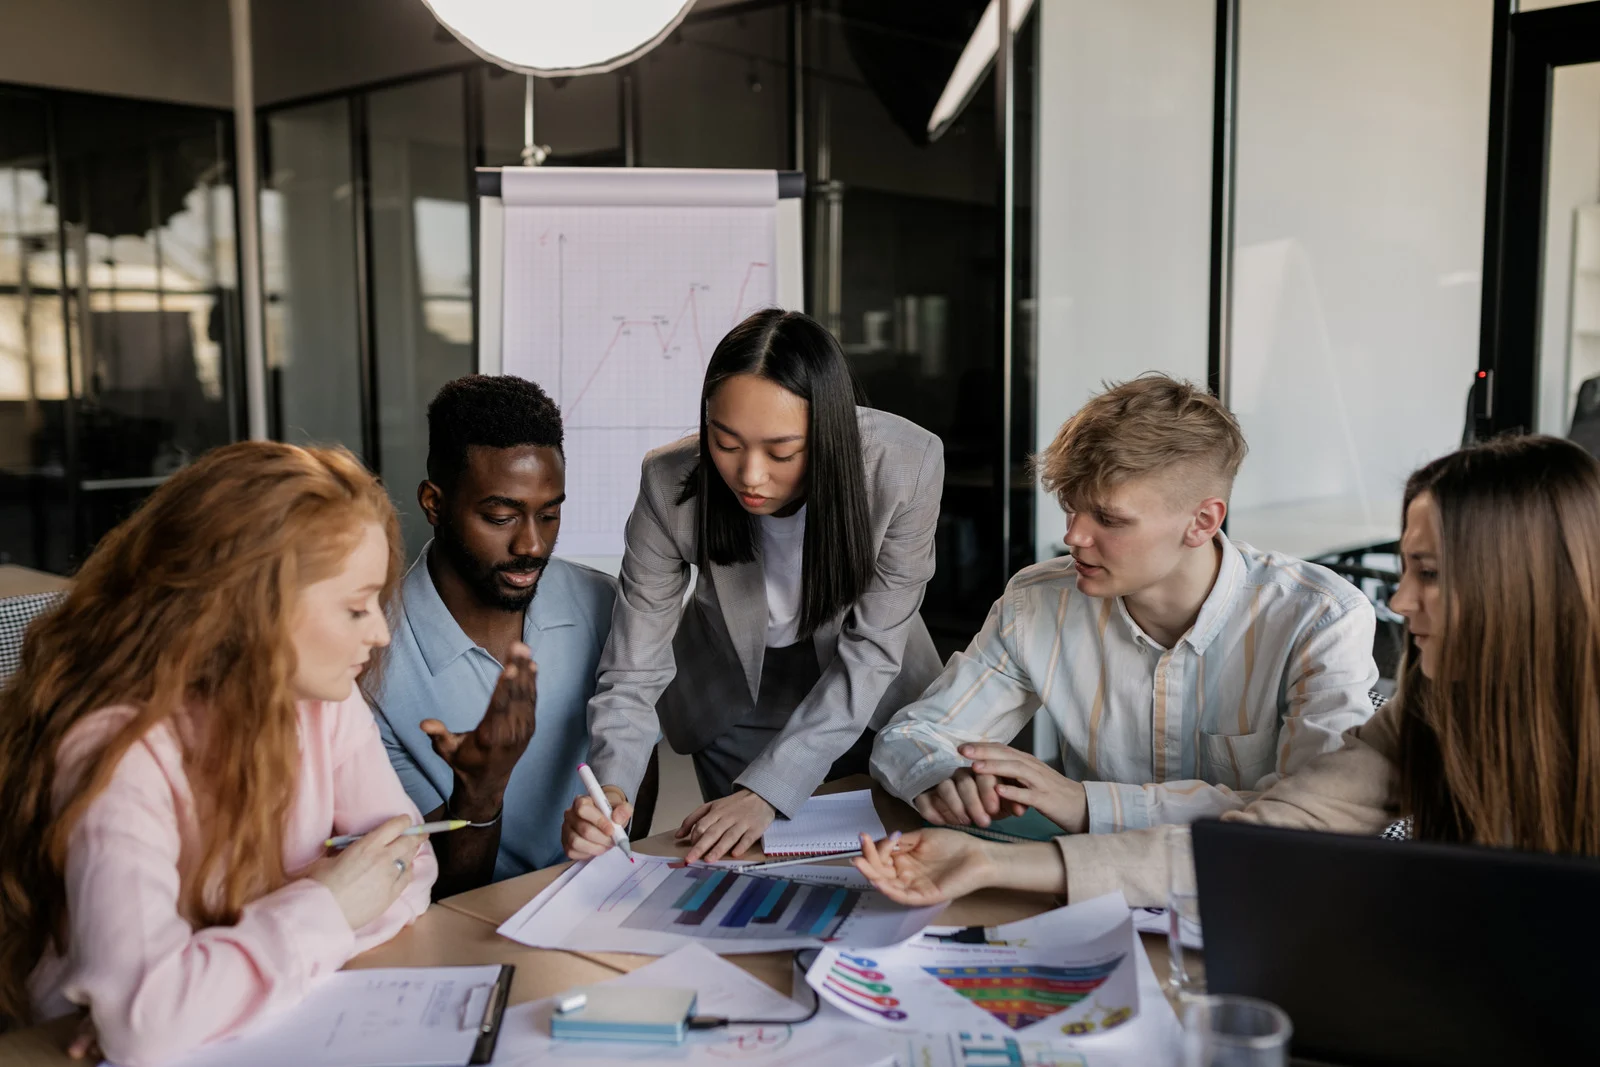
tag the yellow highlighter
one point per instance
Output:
(411, 831)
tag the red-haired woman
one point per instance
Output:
(184, 733)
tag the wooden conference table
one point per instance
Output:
(461, 930)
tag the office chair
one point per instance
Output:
(16, 615)
(1585, 429)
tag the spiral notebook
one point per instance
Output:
(832, 823)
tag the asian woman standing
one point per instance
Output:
(811, 519)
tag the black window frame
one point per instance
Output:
(1527, 49)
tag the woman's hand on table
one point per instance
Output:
(927, 866)
(931, 866)
(726, 827)
(585, 832)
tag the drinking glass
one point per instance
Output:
(1187, 974)
(1230, 1031)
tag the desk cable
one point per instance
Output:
(717, 1022)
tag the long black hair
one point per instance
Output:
(796, 352)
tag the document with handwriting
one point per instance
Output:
(397, 1017)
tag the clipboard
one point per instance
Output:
(381, 1015)
(494, 1011)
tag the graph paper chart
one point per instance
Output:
(615, 311)
(726, 904)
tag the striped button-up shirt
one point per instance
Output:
(1275, 668)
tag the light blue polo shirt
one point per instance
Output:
(435, 671)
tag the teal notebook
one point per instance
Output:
(1016, 829)
(627, 1013)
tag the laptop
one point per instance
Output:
(1405, 953)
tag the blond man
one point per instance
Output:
(1184, 673)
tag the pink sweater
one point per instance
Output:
(157, 986)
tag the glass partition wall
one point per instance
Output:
(367, 239)
(118, 311)
(1358, 242)
(905, 248)
(36, 517)
(313, 296)
(420, 236)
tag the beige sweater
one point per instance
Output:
(1352, 790)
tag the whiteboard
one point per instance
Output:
(611, 288)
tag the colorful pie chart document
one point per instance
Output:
(1153, 1036)
(1067, 973)
(654, 906)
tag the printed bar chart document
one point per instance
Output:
(655, 906)
(832, 823)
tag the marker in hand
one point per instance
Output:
(598, 795)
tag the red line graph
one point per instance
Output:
(663, 341)
(733, 316)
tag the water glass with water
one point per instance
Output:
(1187, 974)
(1230, 1031)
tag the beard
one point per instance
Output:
(481, 575)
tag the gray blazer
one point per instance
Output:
(699, 665)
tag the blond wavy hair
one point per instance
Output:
(1152, 425)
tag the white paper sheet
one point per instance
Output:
(399, 1017)
(831, 823)
(617, 286)
(723, 989)
(1151, 1037)
(1069, 971)
(654, 907)
(548, 893)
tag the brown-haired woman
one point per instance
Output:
(184, 733)
(1493, 737)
